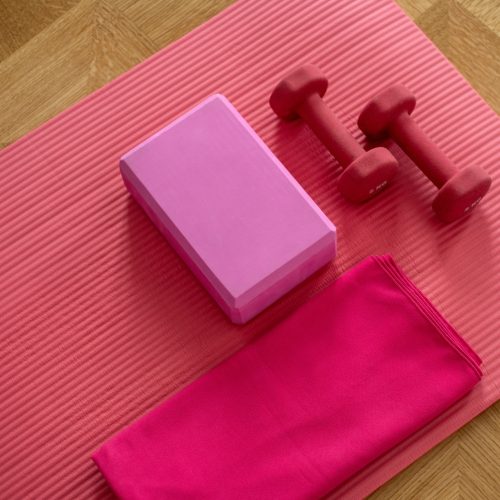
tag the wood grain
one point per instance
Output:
(55, 52)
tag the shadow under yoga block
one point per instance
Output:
(238, 218)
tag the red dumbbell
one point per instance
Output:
(366, 172)
(460, 191)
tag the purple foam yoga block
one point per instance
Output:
(237, 217)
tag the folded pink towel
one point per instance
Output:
(350, 374)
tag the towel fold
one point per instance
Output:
(350, 374)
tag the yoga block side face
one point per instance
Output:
(233, 212)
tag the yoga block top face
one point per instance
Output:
(238, 218)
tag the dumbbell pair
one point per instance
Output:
(387, 114)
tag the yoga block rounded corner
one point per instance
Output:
(232, 211)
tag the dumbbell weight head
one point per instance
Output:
(382, 111)
(459, 190)
(295, 88)
(365, 172)
(461, 193)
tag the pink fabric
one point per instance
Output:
(350, 374)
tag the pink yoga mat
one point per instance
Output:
(101, 321)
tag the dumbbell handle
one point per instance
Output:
(329, 130)
(428, 157)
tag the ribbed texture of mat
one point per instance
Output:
(100, 320)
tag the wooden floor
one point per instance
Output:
(54, 52)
